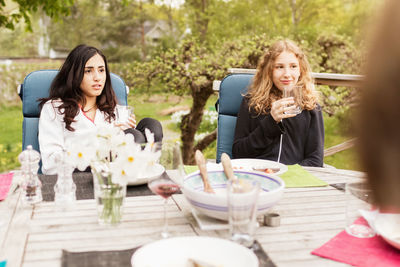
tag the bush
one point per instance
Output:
(12, 75)
(208, 124)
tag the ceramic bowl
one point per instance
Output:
(215, 205)
(387, 225)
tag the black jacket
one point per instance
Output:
(259, 137)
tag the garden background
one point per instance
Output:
(170, 52)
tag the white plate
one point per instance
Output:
(388, 226)
(175, 252)
(151, 173)
(249, 164)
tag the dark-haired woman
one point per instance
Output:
(81, 98)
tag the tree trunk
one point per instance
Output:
(142, 33)
(294, 11)
(191, 122)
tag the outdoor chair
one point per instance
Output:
(37, 85)
(231, 91)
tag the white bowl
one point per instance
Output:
(215, 205)
(387, 225)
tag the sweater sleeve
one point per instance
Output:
(253, 134)
(51, 137)
(314, 147)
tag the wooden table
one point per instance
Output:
(36, 236)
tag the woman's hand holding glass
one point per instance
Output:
(279, 108)
(125, 117)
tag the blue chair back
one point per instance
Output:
(37, 85)
(231, 91)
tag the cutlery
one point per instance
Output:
(226, 163)
(198, 263)
(201, 163)
(239, 186)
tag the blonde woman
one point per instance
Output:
(264, 130)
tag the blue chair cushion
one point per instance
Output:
(30, 133)
(231, 91)
(225, 137)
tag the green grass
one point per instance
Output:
(10, 137)
(145, 106)
(335, 133)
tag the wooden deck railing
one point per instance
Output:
(332, 79)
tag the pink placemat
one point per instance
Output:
(5, 184)
(368, 252)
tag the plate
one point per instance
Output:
(176, 252)
(149, 174)
(251, 164)
(387, 226)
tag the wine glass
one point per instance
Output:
(169, 182)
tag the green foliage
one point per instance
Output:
(117, 27)
(13, 75)
(18, 42)
(11, 12)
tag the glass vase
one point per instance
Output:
(109, 197)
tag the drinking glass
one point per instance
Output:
(358, 198)
(169, 182)
(123, 114)
(295, 92)
(242, 210)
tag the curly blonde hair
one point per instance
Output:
(262, 92)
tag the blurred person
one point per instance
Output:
(81, 98)
(379, 127)
(263, 130)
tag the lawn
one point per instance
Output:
(151, 106)
(10, 137)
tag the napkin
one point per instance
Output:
(5, 184)
(368, 252)
(296, 176)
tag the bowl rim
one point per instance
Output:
(269, 176)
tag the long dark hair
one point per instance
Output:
(66, 86)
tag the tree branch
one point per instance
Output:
(208, 139)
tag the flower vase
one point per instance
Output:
(109, 197)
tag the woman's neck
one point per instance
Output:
(90, 104)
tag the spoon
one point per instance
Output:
(239, 186)
(201, 163)
(226, 163)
